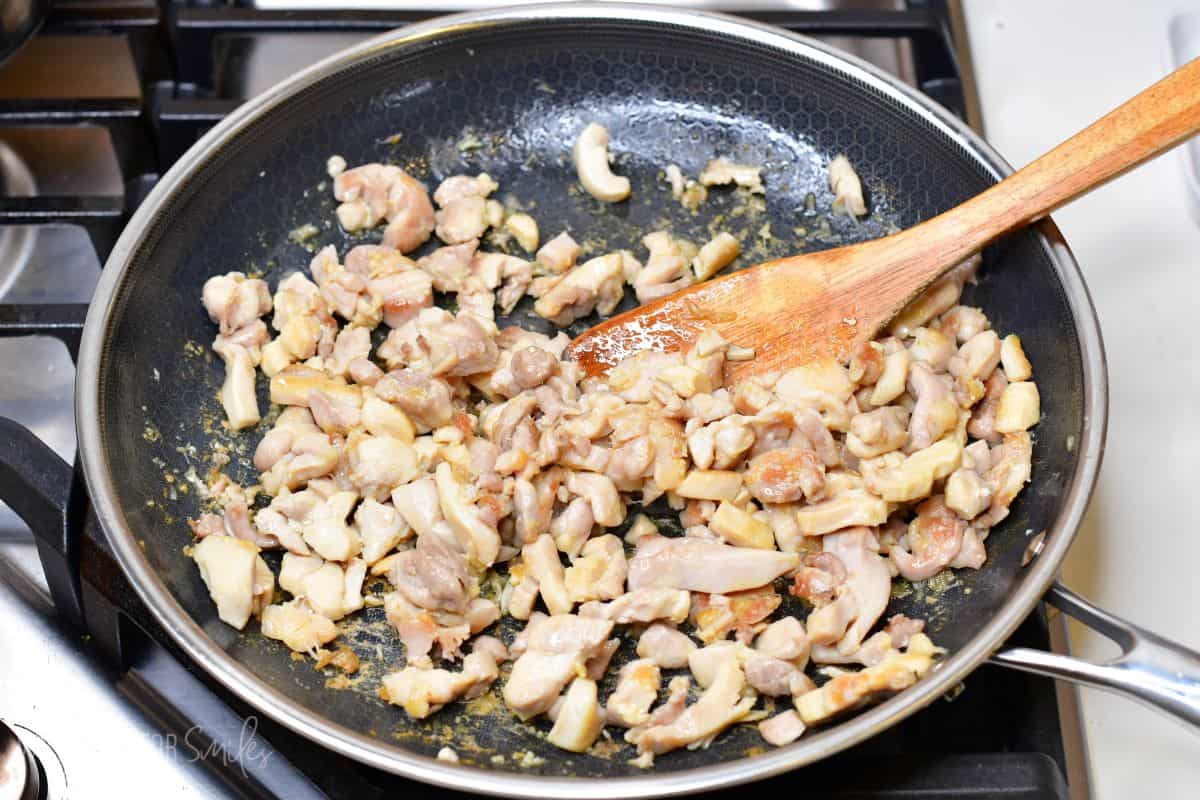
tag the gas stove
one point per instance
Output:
(95, 700)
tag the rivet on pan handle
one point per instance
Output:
(1150, 669)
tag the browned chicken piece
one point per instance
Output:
(238, 580)
(786, 475)
(372, 193)
(704, 566)
(599, 572)
(934, 538)
(665, 646)
(851, 689)
(818, 578)
(637, 689)
(716, 615)
(422, 692)
(596, 285)
(722, 704)
(298, 626)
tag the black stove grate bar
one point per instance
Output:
(63, 321)
(101, 216)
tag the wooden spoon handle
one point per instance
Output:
(1154, 121)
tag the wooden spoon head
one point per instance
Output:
(790, 312)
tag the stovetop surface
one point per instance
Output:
(132, 85)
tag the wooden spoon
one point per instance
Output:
(823, 305)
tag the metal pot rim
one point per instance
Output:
(382, 755)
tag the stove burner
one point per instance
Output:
(16, 241)
(20, 773)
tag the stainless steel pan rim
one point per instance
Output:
(377, 753)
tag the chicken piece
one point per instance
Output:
(721, 705)
(637, 689)
(935, 412)
(877, 432)
(417, 504)
(331, 590)
(962, 323)
(425, 400)
(462, 220)
(557, 649)
(900, 629)
(420, 630)
(897, 479)
(1010, 471)
(580, 719)
(818, 578)
(326, 532)
(934, 538)
(353, 343)
(851, 689)
(642, 605)
(715, 615)
(824, 387)
(238, 580)
(665, 646)
(872, 651)
(847, 188)
(867, 581)
(941, 295)
(601, 493)
(559, 254)
(848, 504)
(345, 292)
(783, 728)
(541, 560)
(597, 284)
(381, 528)
(722, 172)
(373, 192)
(599, 573)
(237, 392)
(422, 692)
(477, 539)
(977, 357)
(715, 255)
(533, 366)
(784, 639)
(379, 464)
(234, 301)
(704, 566)
(297, 626)
(983, 417)
(666, 269)
(786, 475)
(235, 522)
(433, 576)
(462, 345)
(456, 187)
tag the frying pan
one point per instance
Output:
(505, 92)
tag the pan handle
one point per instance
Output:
(41, 488)
(1150, 669)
